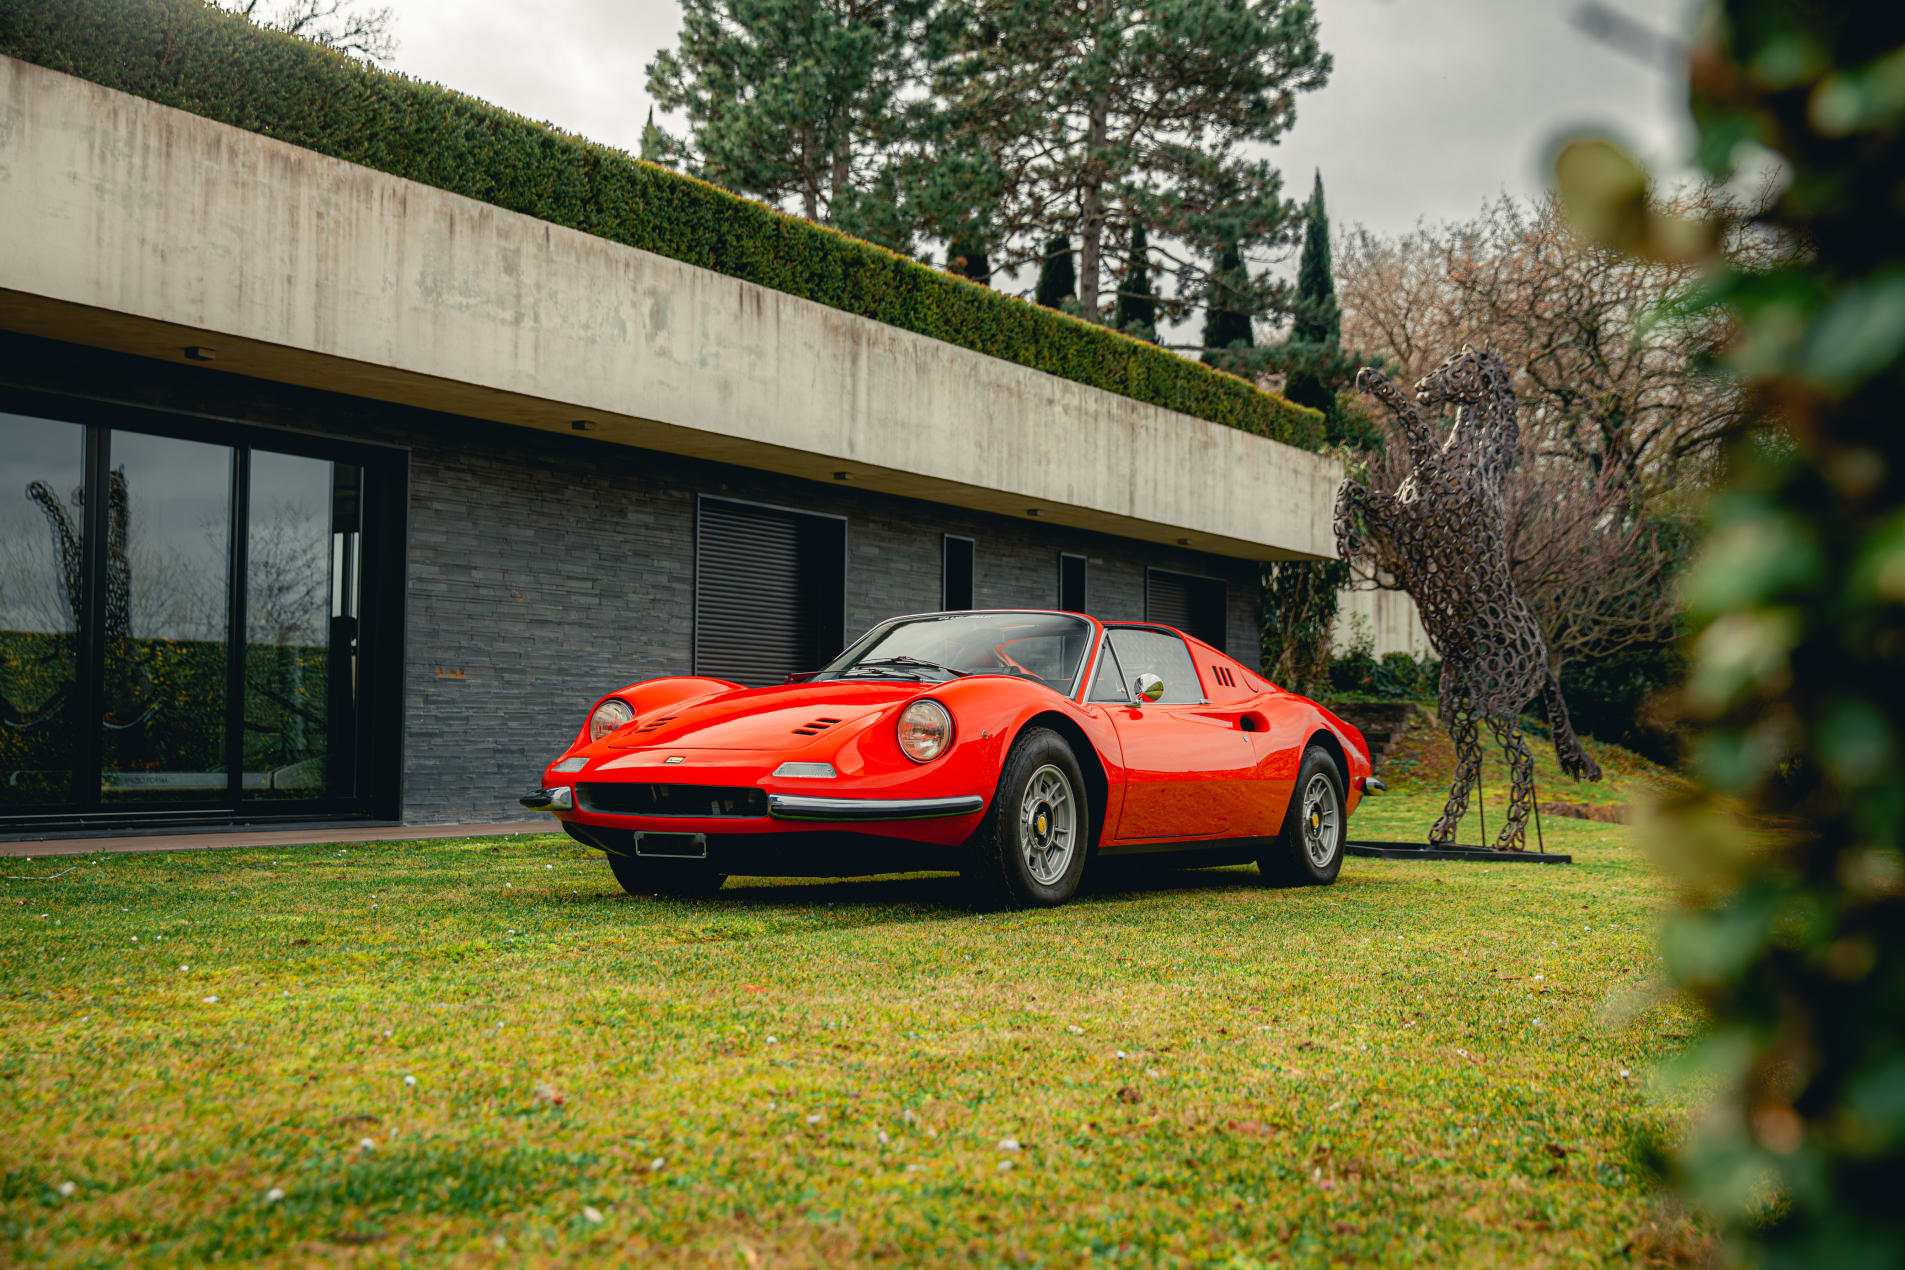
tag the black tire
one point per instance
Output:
(679, 878)
(1041, 798)
(1309, 850)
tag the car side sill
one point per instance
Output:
(814, 807)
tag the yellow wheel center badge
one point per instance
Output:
(1041, 824)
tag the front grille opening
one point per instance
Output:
(814, 727)
(636, 799)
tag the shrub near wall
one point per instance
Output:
(182, 53)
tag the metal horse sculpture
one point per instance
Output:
(1442, 535)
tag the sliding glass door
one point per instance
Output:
(181, 624)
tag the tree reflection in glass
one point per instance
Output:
(42, 466)
(167, 568)
(288, 629)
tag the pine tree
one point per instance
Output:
(1226, 323)
(795, 102)
(1137, 302)
(1057, 280)
(1096, 114)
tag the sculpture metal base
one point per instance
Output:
(1455, 851)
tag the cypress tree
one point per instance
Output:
(1057, 278)
(1225, 327)
(966, 256)
(1137, 302)
(654, 140)
(1317, 325)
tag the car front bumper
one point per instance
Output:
(808, 807)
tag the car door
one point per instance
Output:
(1187, 764)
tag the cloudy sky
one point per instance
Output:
(1435, 106)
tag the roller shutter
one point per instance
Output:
(770, 591)
(748, 610)
(1194, 605)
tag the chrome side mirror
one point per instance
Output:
(1146, 688)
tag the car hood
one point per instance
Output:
(784, 717)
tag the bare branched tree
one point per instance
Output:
(1620, 418)
(336, 24)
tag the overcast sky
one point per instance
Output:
(1434, 107)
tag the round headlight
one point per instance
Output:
(926, 730)
(608, 716)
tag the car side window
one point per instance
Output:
(1155, 653)
(1108, 684)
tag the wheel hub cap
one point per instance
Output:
(1048, 824)
(1322, 820)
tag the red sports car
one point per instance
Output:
(1015, 746)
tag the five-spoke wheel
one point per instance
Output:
(1309, 851)
(1030, 848)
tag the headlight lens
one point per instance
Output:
(608, 716)
(926, 730)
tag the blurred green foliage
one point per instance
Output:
(185, 54)
(1360, 674)
(1793, 932)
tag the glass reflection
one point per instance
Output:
(42, 469)
(166, 615)
(298, 635)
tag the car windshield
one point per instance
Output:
(1044, 647)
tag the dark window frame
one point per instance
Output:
(946, 542)
(694, 596)
(1084, 582)
(377, 740)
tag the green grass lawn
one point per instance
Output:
(1439, 1064)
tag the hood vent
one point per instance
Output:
(814, 727)
(655, 725)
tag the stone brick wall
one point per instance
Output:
(544, 570)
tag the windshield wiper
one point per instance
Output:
(905, 661)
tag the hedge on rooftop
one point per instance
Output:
(186, 54)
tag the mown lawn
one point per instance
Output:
(211, 1056)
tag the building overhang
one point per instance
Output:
(147, 230)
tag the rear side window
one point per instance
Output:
(1155, 653)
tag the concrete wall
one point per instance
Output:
(545, 570)
(1388, 617)
(148, 230)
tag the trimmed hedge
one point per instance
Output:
(186, 54)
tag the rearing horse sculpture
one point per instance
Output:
(1443, 536)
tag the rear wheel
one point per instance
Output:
(1309, 851)
(1029, 851)
(665, 877)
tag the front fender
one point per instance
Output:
(647, 696)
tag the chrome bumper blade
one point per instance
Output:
(814, 807)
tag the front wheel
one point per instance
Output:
(1309, 851)
(1029, 851)
(684, 878)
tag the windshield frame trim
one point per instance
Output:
(1079, 678)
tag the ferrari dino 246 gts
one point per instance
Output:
(1014, 746)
